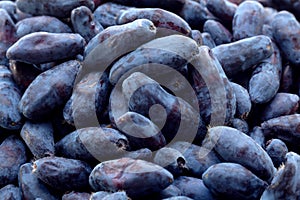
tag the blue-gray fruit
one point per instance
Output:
(232, 56)
(193, 188)
(62, 174)
(136, 177)
(218, 32)
(23, 74)
(50, 90)
(233, 181)
(265, 80)
(41, 24)
(281, 104)
(38, 138)
(286, 183)
(248, 20)
(10, 192)
(162, 19)
(216, 98)
(285, 128)
(10, 7)
(243, 102)
(10, 95)
(235, 146)
(240, 125)
(107, 14)
(174, 114)
(92, 143)
(12, 156)
(195, 13)
(287, 37)
(223, 9)
(83, 22)
(32, 187)
(7, 35)
(43, 47)
(197, 36)
(140, 131)
(277, 151)
(117, 41)
(156, 55)
(208, 40)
